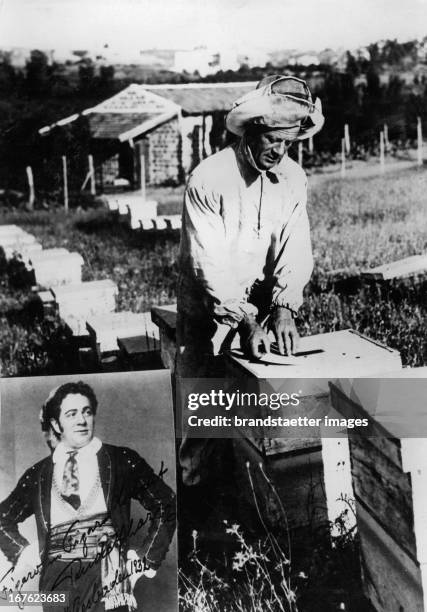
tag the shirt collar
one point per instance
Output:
(90, 450)
(247, 165)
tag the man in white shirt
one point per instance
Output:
(80, 496)
(245, 253)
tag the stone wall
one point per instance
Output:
(164, 154)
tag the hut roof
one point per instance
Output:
(139, 108)
(199, 98)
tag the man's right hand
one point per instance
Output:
(253, 339)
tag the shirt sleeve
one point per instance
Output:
(204, 253)
(159, 499)
(294, 257)
(14, 510)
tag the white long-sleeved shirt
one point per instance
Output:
(241, 226)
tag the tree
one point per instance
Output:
(86, 75)
(37, 73)
(106, 77)
(7, 73)
(352, 67)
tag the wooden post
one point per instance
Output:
(182, 143)
(419, 142)
(300, 153)
(310, 144)
(32, 196)
(382, 155)
(65, 179)
(92, 175)
(142, 163)
(347, 138)
(342, 157)
(204, 154)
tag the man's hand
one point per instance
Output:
(253, 339)
(282, 324)
(27, 564)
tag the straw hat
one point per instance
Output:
(283, 102)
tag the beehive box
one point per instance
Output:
(9, 233)
(140, 352)
(389, 480)
(78, 302)
(139, 209)
(28, 251)
(173, 221)
(126, 201)
(336, 354)
(9, 229)
(47, 254)
(304, 465)
(409, 266)
(17, 242)
(59, 267)
(105, 330)
(46, 302)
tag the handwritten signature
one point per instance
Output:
(78, 567)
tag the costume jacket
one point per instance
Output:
(124, 476)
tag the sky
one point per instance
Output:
(221, 24)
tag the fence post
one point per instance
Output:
(342, 157)
(32, 196)
(419, 142)
(142, 163)
(65, 179)
(347, 138)
(386, 140)
(382, 156)
(92, 175)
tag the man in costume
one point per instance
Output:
(81, 497)
(245, 253)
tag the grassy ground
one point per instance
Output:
(356, 223)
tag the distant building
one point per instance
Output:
(304, 59)
(204, 61)
(254, 58)
(18, 56)
(168, 127)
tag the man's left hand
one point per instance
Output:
(281, 322)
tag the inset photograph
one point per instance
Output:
(87, 492)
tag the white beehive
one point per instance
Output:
(323, 356)
(9, 230)
(389, 481)
(139, 209)
(308, 458)
(78, 302)
(106, 329)
(17, 242)
(409, 266)
(58, 268)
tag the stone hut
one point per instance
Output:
(167, 128)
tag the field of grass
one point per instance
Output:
(356, 223)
